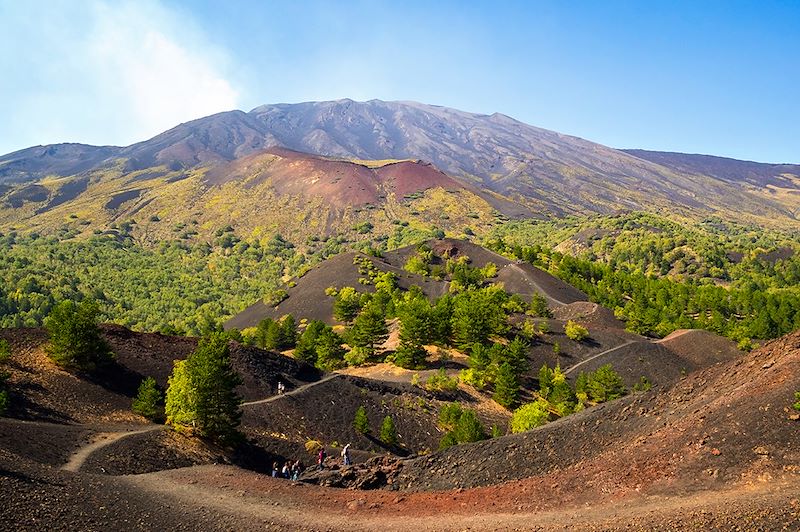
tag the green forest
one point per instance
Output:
(656, 273)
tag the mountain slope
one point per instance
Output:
(517, 168)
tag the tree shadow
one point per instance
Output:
(394, 449)
(115, 377)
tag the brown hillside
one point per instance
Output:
(308, 299)
(729, 424)
(339, 183)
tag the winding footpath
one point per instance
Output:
(296, 390)
(80, 456)
(598, 355)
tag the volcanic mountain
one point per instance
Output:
(504, 165)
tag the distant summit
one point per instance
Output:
(528, 169)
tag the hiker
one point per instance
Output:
(285, 471)
(274, 469)
(280, 388)
(321, 459)
(296, 468)
(346, 455)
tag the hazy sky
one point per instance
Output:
(697, 76)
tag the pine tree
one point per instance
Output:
(347, 304)
(75, 340)
(361, 421)
(545, 381)
(202, 394)
(306, 349)
(469, 428)
(369, 329)
(329, 350)
(288, 332)
(410, 355)
(605, 384)
(147, 400)
(506, 386)
(388, 433)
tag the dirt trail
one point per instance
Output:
(103, 439)
(250, 502)
(296, 390)
(536, 287)
(675, 334)
(607, 351)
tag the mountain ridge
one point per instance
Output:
(538, 170)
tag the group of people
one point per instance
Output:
(290, 470)
(281, 388)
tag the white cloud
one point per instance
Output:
(104, 72)
(160, 80)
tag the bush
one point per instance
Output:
(643, 385)
(539, 306)
(475, 378)
(4, 400)
(5, 351)
(361, 421)
(388, 433)
(575, 331)
(313, 446)
(75, 340)
(410, 355)
(357, 356)
(147, 402)
(797, 404)
(440, 382)
(529, 416)
(461, 426)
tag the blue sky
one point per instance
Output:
(699, 76)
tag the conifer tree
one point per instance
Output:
(506, 386)
(329, 350)
(388, 433)
(361, 421)
(202, 394)
(147, 400)
(306, 349)
(369, 329)
(75, 340)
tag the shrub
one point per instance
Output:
(643, 385)
(361, 421)
(440, 382)
(4, 400)
(75, 340)
(357, 356)
(461, 426)
(313, 446)
(529, 416)
(449, 415)
(797, 404)
(148, 399)
(415, 264)
(469, 428)
(388, 433)
(475, 378)
(539, 307)
(575, 331)
(5, 351)
(410, 355)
